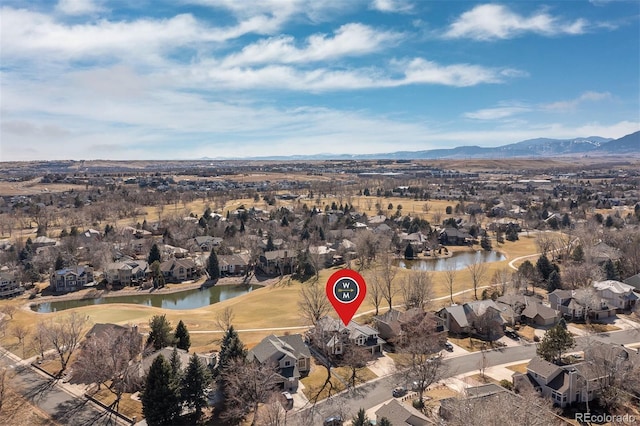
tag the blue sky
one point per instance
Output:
(186, 79)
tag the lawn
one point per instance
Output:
(127, 406)
(441, 392)
(596, 327)
(482, 380)
(363, 374)
(519, 368)
(16, 410)
(471, 344)
(315, 380)
(527, 332)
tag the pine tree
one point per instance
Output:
(230, 348)
(183, 340)
(555, 342)
(154, 254)
(408, 252)
(160, 403)
(213, 267)
(485, 242)
(176, 366)
(360, 419)
(285, 221)
(160, 333)
(610, 271)
(578, 254)
(385, 422)
(544, 267)
(554, 282)
(270, 245)
(195, 380)
(59, 263)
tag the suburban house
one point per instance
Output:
(233, 264)
(289, 354)
(43, 241)
(572, 305)
(126, 273)
(277, 262)
(418, 241)
(453, 236)
(390, 325)
(563, 384)
(481, 317)
(178, 270)
(9, 284)
(616, 294)
(633, 281)
(206, 242)
(333, 335)
(529, 310)
(71, 279)
(601, 252)
(401, 414)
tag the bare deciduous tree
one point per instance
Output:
(4, 379)
(109, 359)
(386, 274)
(20, 332)
(9, 310)
(248, 385)
(224, 319)
(313, 303)
(374, 291)
(450, 276)
(477, 269)
(417, 290)
(64, 336)
(355, 358)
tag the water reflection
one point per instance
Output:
(458, 260)
(188, 299)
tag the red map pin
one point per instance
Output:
(346, 290)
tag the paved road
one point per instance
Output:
(44, 392)
(379, 391)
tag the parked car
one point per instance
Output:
(512, 335)
(399, 391)
(333, 421)
(448, 346)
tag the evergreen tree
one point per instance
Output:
(270, 245)
(194, 382)
(160, 403)
(154, 254)
(566, 220)
(554, 282)
(544, 267)
(408, 252)
(285, 221)
(555, 342)
(385, 422)
(160, 333)
(59, 263)
(609, 222)
(610, 271)
(321, 234)
(360, 419)
(578, 254)
(182, 338)
(176, 366)
(213, 267)
(231, 348)
(485, 243)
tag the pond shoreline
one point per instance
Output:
(92, 293)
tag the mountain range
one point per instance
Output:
(540, 147)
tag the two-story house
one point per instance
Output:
(617, 295)
(233, 264)
(575, 305)
(178, 270)
(9, 284)
(332, 335)
(71, 279)
(127, 272)
(289, 354)
(481, 317)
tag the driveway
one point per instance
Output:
(382, 366)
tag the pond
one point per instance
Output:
(188, 299)
(458, 260)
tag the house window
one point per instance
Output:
(287, 363)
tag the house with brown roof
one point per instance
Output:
(289, 354)
(71, 279)
(10, 284)
(529, 310)
(453, 236)
(390, 325)
(233, 264)
(277, 262)
(127, 272)
(481, 317)
(178, 270)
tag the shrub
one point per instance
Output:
(506, 384)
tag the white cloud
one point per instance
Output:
(494, 21)
(79, 7)
(348, 40)
(574, 103)
(392, 5)
(496, 113)
(460, 75)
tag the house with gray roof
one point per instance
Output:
(529, 310)
(127, 272)
(289, 354)
(616, 294)
(10, 284)
(72, 278)
(401, 415)
(633, 281)
(565, 384)
(331, 334)
(481, 317)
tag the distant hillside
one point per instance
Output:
(540, 147)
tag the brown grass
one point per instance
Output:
(363, 375)
(480, 379)
(527, 332)
(441, 392)
(315, 380)
(519, 368)
(596, 328)
(127, 406)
